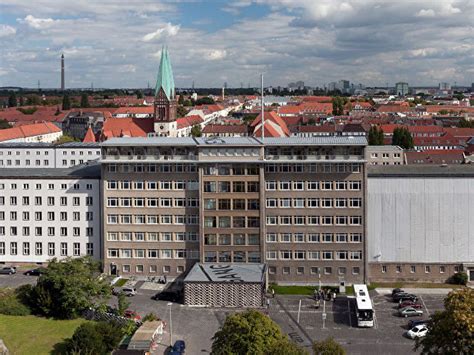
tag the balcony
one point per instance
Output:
(150, 158)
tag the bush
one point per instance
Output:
(459, 278)
(11, 304)
(94, 338)
(328, 347)
(150, 317)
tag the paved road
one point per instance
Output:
(16, 280)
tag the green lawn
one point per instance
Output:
(120, 282)
(293, 290)
(35, 335)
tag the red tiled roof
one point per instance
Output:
(425, 129)
(460, 132)
(437, 108)
(30, 130)
(452, 156)
(219, 129)
(393, 108)
(390, 127)
(188, 121)
(134, 110)
(127, 126)
(446, 140)
(269, 131)
(327, 128)
(90, 136)
(272, 116)
(209, 108)
(316, 99)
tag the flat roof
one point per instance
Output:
(90, 170)
(30, 145)
(420, 170)
(251, 273)
(383, 148)
(235, 141)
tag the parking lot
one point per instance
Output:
(17, 279)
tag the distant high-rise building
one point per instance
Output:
(401, 89)
(444, 86)
(165, 98)
(62, 73)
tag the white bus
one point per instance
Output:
(364, 309)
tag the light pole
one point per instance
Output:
(171, 325)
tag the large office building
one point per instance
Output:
(49, 213)
(420, 222)
(296, 204)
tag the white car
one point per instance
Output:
(418, 331)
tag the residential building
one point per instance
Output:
(47, 155)
(296, 204)
(420, 225)
(77, 123)
(384, 155)
(45, 132)
(49, 213)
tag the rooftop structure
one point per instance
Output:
(165, 78)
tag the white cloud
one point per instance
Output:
(6, 30)
(168, 30)
(37, 23)
(216, 54)
(426, 13)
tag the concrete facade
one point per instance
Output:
(48, 213)
(420, 216)
(384, 155)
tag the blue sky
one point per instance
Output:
(115, 43)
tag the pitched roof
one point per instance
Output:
(165, 78)
(460, 132)
(269, 130)
(188, 121)
(134, 110)
(127, 127)
(451, 156)
(220, 129)
(327, 128)
(30, 130)
(272, 116)
(90, 136)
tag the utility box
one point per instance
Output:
(342, 286)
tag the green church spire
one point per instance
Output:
(165, 76)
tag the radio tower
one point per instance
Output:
(62, 73)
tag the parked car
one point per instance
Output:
(410, 304)
(410, 312)
(35, 272)
(397, 290)
(132, 315)
(418, 331)
(127, 291)
(413, 323)
(171, 296)
(404, 296)
(8, 270)
(179, 346)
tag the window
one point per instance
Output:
(354, 185)
(355, 255)
(285, 254)
(209, 186)
(285, 202)
(76, 231)
(270, 185)
(26, 248)
(51, 249)
(326, 185)
(313, 203)
(398, 269)
(75, 201)
(298, 185)
(63, 249)
(327, 270)
(38, 248)
(271, 237)
(355, 270)
(239, 239)
(238, 204)
(355, 220)
(341, 237)
(224, 186)
(313, 255)
(326, 220)
(299, 255)
(326, 202)
(327, 255)
(300, 270)
(238, 186)
(442, 269)
(384, 269)
(341, 255)
(224, 239)
(341, 270)
(341, 220)
(285, 185)
(313, 238)
(355, 237)
(299, 220)
(340, 185)
(253, 186)
(412, 269)
(271, 255)
(285, 220)
(299, 238)
(286, 270)
(298, 203)
(224, 204)
(427, 269)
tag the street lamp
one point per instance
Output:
(171, 325)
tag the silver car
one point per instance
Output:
(410, 312)
(7, 270)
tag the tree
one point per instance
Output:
(249, 332)
(68, 287)
(139, 94)
(21, 101)
(66, 102)
(285, 346)
(459, 278)
(181, 111)
(33, 99)
(122, 303)
(338, 105)
(12, 100)
(4, 124)
(66, 139)
(196, 131)
(463, 123)
(205, 101)
(181, 100)
(402, 138)
(85, 100)
(376, 136)
(328, 347)
(94, 338)
(450, 331)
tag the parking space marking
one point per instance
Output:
(424, 305)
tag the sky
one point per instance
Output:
(117, 43)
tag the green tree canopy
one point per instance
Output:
(205, 101)
(328, 347)
(196, 131)
(451, 331)
(85, 100)
(12, 100)
(249, 332)
(338, 105)
(402, 138)
(66, 139)
(181, 100)
(376, 136)
(66, 102)
(68, 287)
(94, 338)
(181, 111)
(139, 94)
(4, 124)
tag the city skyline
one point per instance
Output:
(215, 42)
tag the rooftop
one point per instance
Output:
(84, 171)
(390, 171)
(49, 145)
(226, 273)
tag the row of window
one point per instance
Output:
(152, 168)
(313, 168)
(50, 201)
(314, 220)
(50, 216)
(232, 239)
(51, 231)
(166, 269)
(51, 250)
(229, 222)
(225, 204)
(152, 185)
(313, 270)
(152, 236)
(228, 186)
(313, 255)
(232, 256)
(427, 269)
(152, 253)
(46, 152)
(152, 219)
(314, 202)
(51, 186)
(230, 170)
(340, 185)
(314, 237)
(152, 202)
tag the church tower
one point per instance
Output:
(165, 99)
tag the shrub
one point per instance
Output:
(150, 317)
(459, 278)
(11, 304)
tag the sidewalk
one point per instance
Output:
(421, 291)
